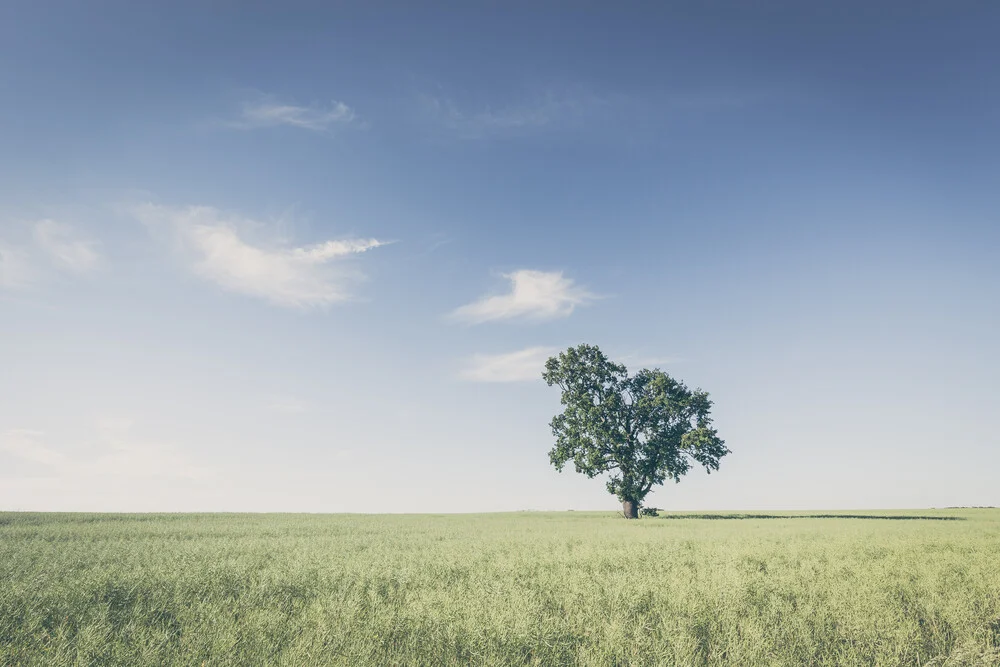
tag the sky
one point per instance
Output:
(312, 257)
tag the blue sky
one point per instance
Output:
(311, 258)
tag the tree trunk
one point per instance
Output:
(630, 508)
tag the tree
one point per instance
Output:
(641, 430)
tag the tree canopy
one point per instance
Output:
(641, 429)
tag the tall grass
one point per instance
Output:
(501, 589)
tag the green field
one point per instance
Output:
(521, 588)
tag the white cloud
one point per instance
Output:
(489, 119)
(327, 250)
(536, 295)
(44, 245)
(297, 277)
(59, 242)
(16, 268)
(115, 453)
(572, 107)
(267, 112)
(124, 455)
(577, 108)
(27, 446)
(520, 366)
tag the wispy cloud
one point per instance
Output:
(520, 366)
(527, 364)
(65, 248)
(114, 453)
(550, 109)
(537, 295)
(266, 111)
(211, 243)
(579, 108)
(45, 245)
(436, 241)
(16, 269)
(27, 445)
(489, 119)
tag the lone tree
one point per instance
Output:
(641, 429)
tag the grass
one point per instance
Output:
(499, 589)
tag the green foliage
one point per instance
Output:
(640, 430)
(498, 589)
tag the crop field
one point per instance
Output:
(569, 588)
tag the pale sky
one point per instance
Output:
(313, 259)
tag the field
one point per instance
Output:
(567, 588)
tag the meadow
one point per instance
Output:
(567, 588)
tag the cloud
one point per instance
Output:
(68, 252)
(210, 242)
(578, 108)
(571, 108)
(520, 366)
(115, 453)
(268, 112)
(27, 446)
(489, 119)
(122, 454)
(436, 241)
(527, 364)
(16, 270)
(45, 245)
(538, 295)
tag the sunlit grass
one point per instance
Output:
(525, 588)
